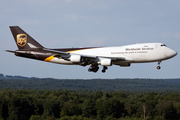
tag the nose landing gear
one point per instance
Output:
(159, 67)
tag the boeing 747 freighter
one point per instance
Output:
(122, 56)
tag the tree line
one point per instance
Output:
(153, 85)
(88, 105)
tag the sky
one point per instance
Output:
(90, 23)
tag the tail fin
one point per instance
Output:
(23, 40)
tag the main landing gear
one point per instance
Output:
(159, 67)
(93, 69)
(96, 68)
(104, 69)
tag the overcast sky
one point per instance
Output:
(88, 23)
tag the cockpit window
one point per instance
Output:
(163, 45)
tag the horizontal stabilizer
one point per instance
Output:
(20, 52)
(10, 51)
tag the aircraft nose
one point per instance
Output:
(175, 53)
(172, 53)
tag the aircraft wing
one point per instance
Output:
(61, 53)
(54, 51)
(66, 55)
(90, 57)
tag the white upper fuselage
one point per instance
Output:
(136, 53)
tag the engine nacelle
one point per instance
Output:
(106, 62)
(75, 58)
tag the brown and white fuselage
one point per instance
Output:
(93, 56)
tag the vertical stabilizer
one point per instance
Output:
(23, 40)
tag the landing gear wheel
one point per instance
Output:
(104, 69)
(89, 70)
(93, 69)
(158, 67)
(96, 69)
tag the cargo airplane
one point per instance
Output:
(93, 56)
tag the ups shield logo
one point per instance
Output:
(21, 39)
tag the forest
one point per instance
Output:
(105, 85)
(88, 105)
(23, 98)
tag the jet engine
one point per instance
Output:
(106, 62)
(75, 58)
